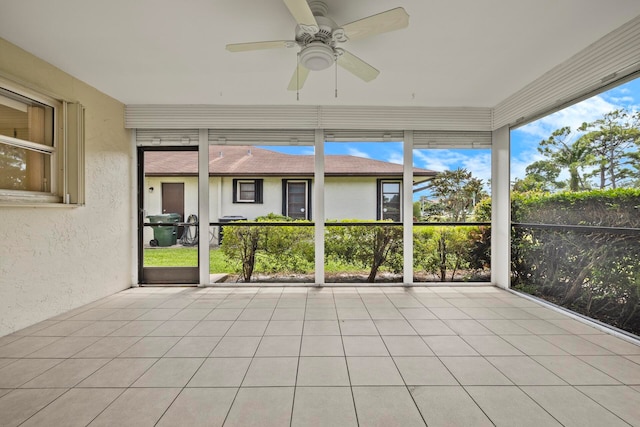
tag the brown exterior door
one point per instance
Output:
(173, 198)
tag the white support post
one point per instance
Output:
(134, 211)
(407, 207)
(318, 208)
(203, 207)
(500, 209)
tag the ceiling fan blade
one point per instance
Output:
(357, 66)
(391, 20)
(299, 77)
(276, 44)
(302, 14)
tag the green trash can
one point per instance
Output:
(164, 235)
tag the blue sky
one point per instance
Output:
(524, 140)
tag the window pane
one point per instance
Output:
(391, 187)
(22, 169)
(25, 119)
(247, 191)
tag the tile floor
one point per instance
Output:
(317, 357)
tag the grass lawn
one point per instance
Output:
(184, 257)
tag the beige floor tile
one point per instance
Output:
(169, 372)
(508, 406)
(159, 314)
(199, 407)
(481, 313)
(467, 327)
(137, 328)
(417, 313)
(279, 346)
(575, 326)
(449, 346)
(261, 407)
(514, 313)
(386, 407)
(449, 313)
(66, 374)
(369, 371)
(77, 407)
(25, 346)
(137, 407)
(323, 406)
(534, 345)
(575, 371)
(63, 348)
(247, 328)
(284, 327)
(30, 330)
(618, 367)
(394, 327)
(236, 347)
(406, 346)
(288, 314)
(448, 406)
(424, 371)
(491, 345)
(522, 370)
(101, 328)
(503, 327)
(210, 328)
(193, 347)
(385, 314)
(107, 347)
(221, 372)
(431, 327)
(271, 372)
(191, 313)
(118, 373)
(572, 408)
(353, 313)
(5, 362)
(63, 328)
(320, 314)
(18, 405)
(321, 345)
(321, 327)
(127, 314)
(540, 327)
(224, 314)
(256, 314)
(7, 339)
(173, 328)
(621, 400)
(322, 371)
(576, 345)
(611, 343)
(150, 347)
(358, 327)
(364, 346)
(474, 371)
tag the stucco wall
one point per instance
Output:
(56, 259)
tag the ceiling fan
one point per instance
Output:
(318, 37)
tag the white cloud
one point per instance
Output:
(358, 153)
(573, 116)
(395, 157)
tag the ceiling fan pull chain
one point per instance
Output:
(336, 67)
(298, 77)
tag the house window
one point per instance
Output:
(41, 148)
(296, 198)
(247, 191)
(390, 200)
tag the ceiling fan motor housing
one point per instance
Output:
(317, 56)
(318, 50)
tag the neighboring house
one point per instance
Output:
(248, 181)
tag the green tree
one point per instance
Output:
(541, 176)
(563, 152)
(457, 192)
(609, 140)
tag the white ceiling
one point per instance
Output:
(471, 53)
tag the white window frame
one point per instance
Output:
(66, 154)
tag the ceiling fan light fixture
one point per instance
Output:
(317, 56)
